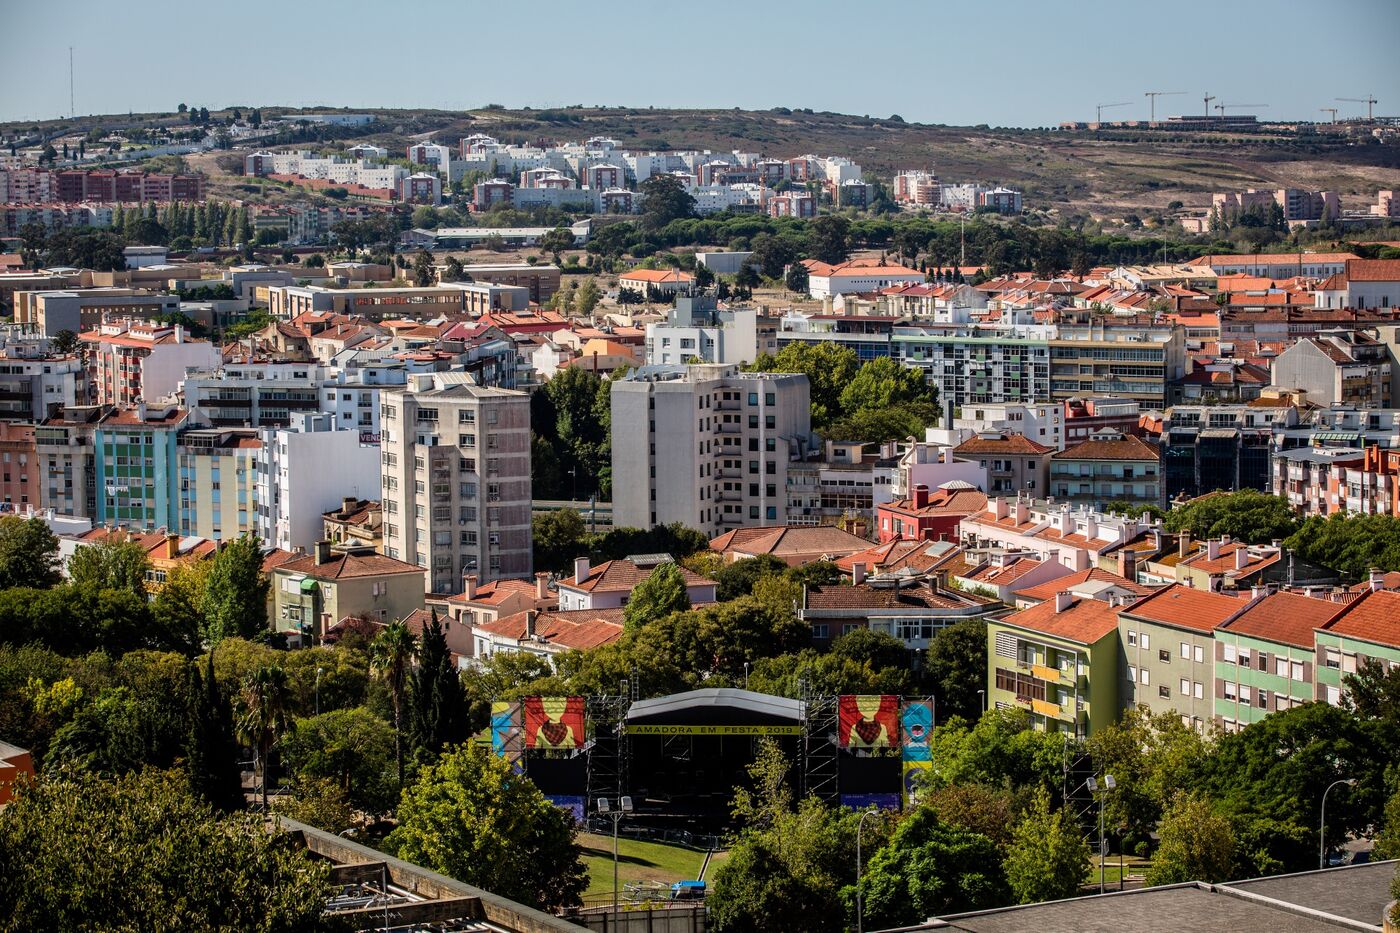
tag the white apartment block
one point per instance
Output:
(706, 445)
(267, 394)
(305, 470)
(456, 479)
(974, 364)
(696, 329)
(34, 389)
(218, 483)
(429, 154)
(333, 168)
(1042, 422)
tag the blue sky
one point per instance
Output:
(1000, 62)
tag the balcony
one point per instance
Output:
(1046, 709)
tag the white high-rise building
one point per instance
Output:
(706, 445)
(305, 470)
(456, 479)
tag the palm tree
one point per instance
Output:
(263, 714)
(390, 655)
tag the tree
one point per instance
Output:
(110, 564)
(930, 868)
(1153, 757)
(183, 108)
(437, 714)
(28, 553)
(956, 663)
(796, 279)
(737, 578)
(1388, 839)
(141, 852)
(352, 747)
(664, 199)
(660, 594)
(829, 368)
(978, 808)
(235, 596)
(882, 383)
(211, 749)
(178, 607)
(558, 537)
(390, 656)
(1001, 749)
(471, 817)
(453, 270)
(423, 275)
(262, 716)
(1197, 844)
(556, 241)
(1048, 858)
(64, 342)
(1246, 515)
(587, 297)
(1349, 544)
(831, 238)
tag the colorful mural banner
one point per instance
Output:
(553, 722)
(916, 727)
(868, 721)
(503, 726)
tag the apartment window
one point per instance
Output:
(1185, 651)
(1281, 666)
(1297, 671)
(466, 417)
(1142, 676)
(1132, 674)
(753, 398)
(1199, 652)
(1185, 687)
(770, 398)
(1142, 636)
(1198, 690)
(1164, 692)
(466, 440)
(1164, 656)
(753, 466)
(1132, 639)
(1228, 653)
(753, 421)
(1229, 690)
(1246, 693)
(1244, 657)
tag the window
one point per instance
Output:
(1244, 657)
(1164, 656)
(1246, 693)
(1164, 692)
(1185, 651)
(821, 631)
(1198, 690)
(1281, 666)
(1228, 653)
(1145, 644)
(1132, 639)
(1185, 687)
(1132, 674)
(1297, 671)
(1229, 690)
(1142, 676)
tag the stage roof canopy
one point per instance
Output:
(716, 707)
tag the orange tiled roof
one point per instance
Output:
(1086, 621)
(1048, 590)
(657, 276)
(789, 540)
(1185, 607)
(1288, 618)
(942, 502)
(1373, 270)
(1127, 448)
(574, 628)
(1007, 444)
(341, 565)
(1225, 563)
(615, 575)
(1375, 617)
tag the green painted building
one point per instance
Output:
(1265, 658)
(136, 459)
(1367, 629)
(1059, 661)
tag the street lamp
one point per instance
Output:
(860, 900)
(319, 672)
(982, 700)
(746, 675)
(1322, 830)
(624, 806)
(1108, 784)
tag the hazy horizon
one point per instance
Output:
(1015, 64)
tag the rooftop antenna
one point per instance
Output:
(1369, 100)
(72, 110)
(1153, 95)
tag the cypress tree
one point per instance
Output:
(211, 751)
(437, 705)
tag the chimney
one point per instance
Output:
(1022, 512)
(1127, 564)
(141, 410)
(999, 510)
(1212, 549)
(1063, 600)
(1241, 557)
(542, 586)
(323, 551)
(857, 573)
(1256, 592)
(1091, 527)
(1053, 555)
(347, 505)
(920, 496)
(580, 569)
(179, 333)
(469, 587)
(1183, 542)
(530, 616)
(1376, 580)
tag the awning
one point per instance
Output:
(716, 712)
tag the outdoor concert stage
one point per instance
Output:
(680, 757)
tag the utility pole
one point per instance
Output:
(1153, 95)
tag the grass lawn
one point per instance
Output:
(639, 861)
(1133, 867)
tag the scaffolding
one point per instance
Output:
(606, 748)
(818, 754)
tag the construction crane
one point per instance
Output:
(1368, 100)
(1103, 107)
(1153, 95)
(1331, 110)
(1209, 98)
(1224, 107)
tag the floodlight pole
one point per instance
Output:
(860, 900)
